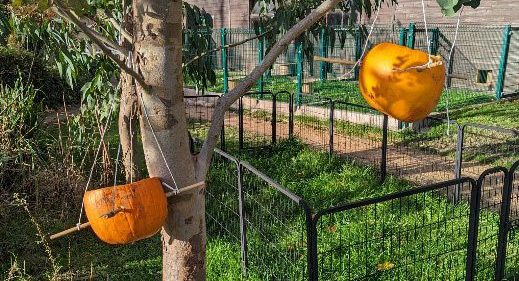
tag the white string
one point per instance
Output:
(103, 133)
(426, 32)
(153, 131)
(365, 44)
(157, 141)
(451, 53)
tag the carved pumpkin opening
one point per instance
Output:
(127, 213)
(401, 82)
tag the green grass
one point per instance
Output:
(425, 230)
(320, 180)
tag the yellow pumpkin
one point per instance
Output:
(127, 213)
(391, 81)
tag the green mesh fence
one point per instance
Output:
(475, 70)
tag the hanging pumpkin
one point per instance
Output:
(127, 213)
(399, 82)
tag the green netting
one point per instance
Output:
(473, 71)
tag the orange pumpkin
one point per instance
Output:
(127, 213)
(391, 83)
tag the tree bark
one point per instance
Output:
(225, 102)
(158, 56)
(128, 125)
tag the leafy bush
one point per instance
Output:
(22, 64)
(20, 114)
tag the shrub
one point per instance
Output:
(51, 88)
(20, 114)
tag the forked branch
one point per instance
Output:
(206, 153)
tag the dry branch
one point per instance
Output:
(335, 60)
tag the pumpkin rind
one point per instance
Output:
(143, 206)
(409, 95)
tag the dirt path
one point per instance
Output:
(409, 163)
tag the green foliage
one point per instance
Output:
(19, 64)
(20, 116)
(198, 31)
(450, 7)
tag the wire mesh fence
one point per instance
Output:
(479, 69)
(483, 146)
(396, 237)
(511, 268)
(423, 233)
(276, 224)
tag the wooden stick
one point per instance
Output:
(70, 231)
(87, 224)
(335, 60)
(458, 76)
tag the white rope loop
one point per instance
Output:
(359, 61)
(103, 133)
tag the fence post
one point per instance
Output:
(223, 33)
(403, 42)
(403, 35)
(291, 115)
(243, 227)
(383, 160)
(411, 35)
(324, 53)
(475, 201)
(505, 48)
(504, 222)
(274, 117)
(222, 137)
(450, 68)
(261, 54)
(209, 38)
(331, 126)
(299, 84)
(240, 122)
(459, 160)
(311, 229)
(358, 48)
(435, 41)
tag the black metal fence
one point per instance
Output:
(408, 151)
(417, 234)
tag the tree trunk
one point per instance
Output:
(128, 125)
(158, 55)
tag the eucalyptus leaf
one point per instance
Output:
(450, 7)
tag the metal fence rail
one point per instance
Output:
(484, 65)
(414, 234)
(360, 241)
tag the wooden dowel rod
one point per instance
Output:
(70, 231)
(335, 60)
(87, 224)
(458, 76)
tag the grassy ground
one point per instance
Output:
(321, 180)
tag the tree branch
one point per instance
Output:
(224, 47)
(109, 16)
(69, 15)
(224, 103)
